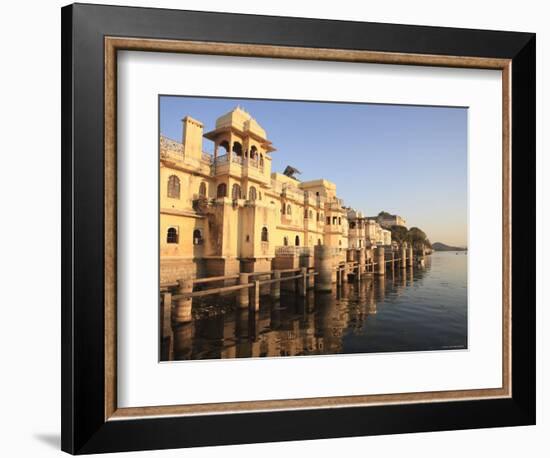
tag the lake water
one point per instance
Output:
(414, 310)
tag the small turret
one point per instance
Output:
(192, 138)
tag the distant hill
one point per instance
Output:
(438, 246)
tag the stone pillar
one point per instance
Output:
(361, 258)
(403, 260)
(392, 260)
(181, 313)
(286, 260)
(276, 286)
(368, 256)
(306, 260)
(255, 304)
(302, 282)
(380, 261)
(410, 257)
(166, 315)
(323, 267)
(243, 293)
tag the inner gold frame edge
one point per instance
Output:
(114, 44)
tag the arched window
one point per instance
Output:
(328, 219)
(339, 221)
(197, 237)
(319, 242)
(283, 208)
(222, 190)
(236, 192)
(261, 160)
(174, 187)
(264, 234)
(252, 193)
(352, 225)
(318, 216)
(202, 189)
(297, 241)
(288, 210)
(172, 235)
(310, 214)
(237, 149)
(225, 146)
(334, 219)
(253, 152)
(285, 241)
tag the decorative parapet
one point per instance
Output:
(169, 145)
(207, 157)
(222, 159)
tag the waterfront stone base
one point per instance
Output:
(219, 267)
(258, 265)
(286, 262)
(173, 269)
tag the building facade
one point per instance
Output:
(366, 232)
(228, 212)
(387, 221)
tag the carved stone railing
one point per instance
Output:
(222, 159)
(171, 155)
(293, 251)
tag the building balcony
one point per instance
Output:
(335, 204)
(239, 166)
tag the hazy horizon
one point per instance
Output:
(406, 160)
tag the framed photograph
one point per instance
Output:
(283, 228)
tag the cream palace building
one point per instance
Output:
(229, 212)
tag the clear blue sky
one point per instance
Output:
(409, 160)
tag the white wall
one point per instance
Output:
(30, 229)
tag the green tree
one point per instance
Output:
(383, 214)
(399, 233)
(417, 237)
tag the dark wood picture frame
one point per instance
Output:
(91, 37)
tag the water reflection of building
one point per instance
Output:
(316, 324)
